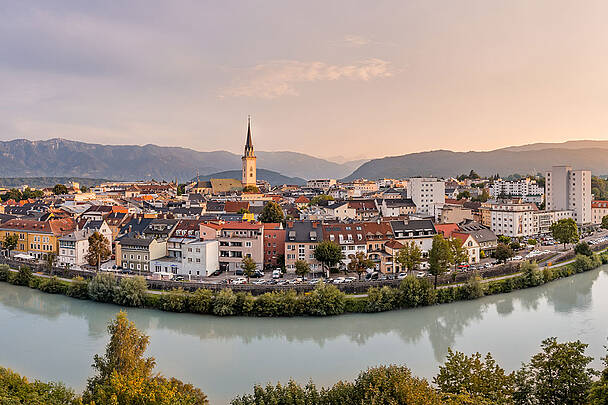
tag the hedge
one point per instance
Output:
(324, 300)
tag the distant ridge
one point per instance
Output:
(273, 178)
(65, 158)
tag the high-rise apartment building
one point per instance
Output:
(427, 193)
(567, 189)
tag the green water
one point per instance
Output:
(54, 337)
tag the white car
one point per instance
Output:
(240, 280)
(401, 276)
(339, 280)
(420, 274)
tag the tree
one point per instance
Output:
(598, 394)
(410, 256)
(99, 250)
(359, 263)
(60, 189)
(582, 248)
(51, 261)
(459, 253)
(605, 222)
(248, 266)
(480, 378)
(302, 268)
(503, 252)
(440, 256)
(10, 242)
(565, 231)
(125, 376)
(251, 189)
(504, 239)
(473, 175)
(329, 253)
(555, 376)
(316, 200)
(15, 389)
(243, 211)
(131, 291)
(102, 287)
(272, 212)
(463, 194)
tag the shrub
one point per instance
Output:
(582, 263)
(507, 285)
(53, 285)
(101, 288)
(201, 301)
(173, 301)
(24, 276)
(78, 288)
(548, 275)
(531, 275)
(266, 305)
(415, 292)
(355, 304)
(324, 300)
(224, 303)
(446, 295)
(582, 248)
(131, 291)
(494, 287)
(244, 303)
(4, 272)
(380, 299)
(471, 290)
(15, 389)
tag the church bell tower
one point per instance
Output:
(249, 159)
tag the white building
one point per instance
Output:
(525, 220)
(524, 188)
(427, 194)
(200, 257)
(599, 209)
(74, 247)
(567, 189)
(322, 184)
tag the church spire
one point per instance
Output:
(249, 143)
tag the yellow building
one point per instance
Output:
(37, 238)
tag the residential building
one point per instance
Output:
(567, 189)
(523, 188)
(421, 231)
(301, 239)
(274, 244)
(523, 219)
(135, 253)
(599, 209)
(427, 193)
(74, 247)
(37, 238)
(321, 184)
(237, 240)
(350, 237)
(397, 207)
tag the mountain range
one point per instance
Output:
(532, 158)
(60, 157)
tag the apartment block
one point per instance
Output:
(427, 193)
(568, 189)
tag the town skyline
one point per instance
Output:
(474, 76)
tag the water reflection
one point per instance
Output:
(441, 324)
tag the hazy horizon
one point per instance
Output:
(342, 80)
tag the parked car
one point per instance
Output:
(239, 272)
(338, 280)
(276, 274)
(371, 276)
(401, 276)
(240, 280)
(420, 274)
(178, 278)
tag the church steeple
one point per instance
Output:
(249, 143)
(249, 160)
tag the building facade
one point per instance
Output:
(567, 189)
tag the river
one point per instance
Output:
(52, 337)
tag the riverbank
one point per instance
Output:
(324, 300)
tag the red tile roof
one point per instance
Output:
(446, 229)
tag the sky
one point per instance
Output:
(341, 79)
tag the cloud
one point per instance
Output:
(279, 78)
(356, 40)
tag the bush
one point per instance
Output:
(173, 301)
(53, 285)
(471, 290)
(24, 276)
(415, 292)
(582, 263)
(131, 291)
(355, 304)
(582, 248)
(381, 299)
(224, 303)
(15, 389)
(324, 300)
(4, 272)
(78, 288)
(101, 288)
(244, 303)
(446, 295)
(200, 302)
(531, 275)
